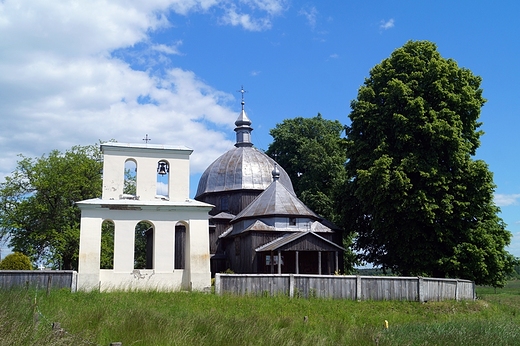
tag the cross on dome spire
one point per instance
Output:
(242, 91)
(243, 126)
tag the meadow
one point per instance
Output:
(181, 318)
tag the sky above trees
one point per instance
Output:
(73, 73)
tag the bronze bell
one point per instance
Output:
(162, 168)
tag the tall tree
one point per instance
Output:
(37, 210)
(312, 152)
(418, 201)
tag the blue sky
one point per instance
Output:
(78, 72)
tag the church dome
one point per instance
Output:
(241, 168)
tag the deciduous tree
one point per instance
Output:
(312, 152)
(37, 210)
(419, 202)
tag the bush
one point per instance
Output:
(16, 261)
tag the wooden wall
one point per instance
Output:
(347, 287)
(40, 279)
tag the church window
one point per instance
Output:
(292, 221)
(180, 244)
(107, 245)
(130, 186)
(163, 178)
(143, 245)
(224, 203)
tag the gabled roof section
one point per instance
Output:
(259, 226)
(284, 242)
(223, 216)
(226, 232)
(320, 228)
(276, 200)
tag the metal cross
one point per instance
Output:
(242, 91)
(146, 139)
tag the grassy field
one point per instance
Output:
(180, 318)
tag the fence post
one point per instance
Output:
(457, 289)
(291, 285)
(217, 284)
(49, 284)
(358, 288)
(420, 289)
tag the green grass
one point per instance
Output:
(180, 318)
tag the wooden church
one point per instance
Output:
(258, 225)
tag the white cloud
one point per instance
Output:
(503, 200)
(234, 18)
(171, 49)
(60, 84)
(310, 14)
(388, 24)
(245, 13)
(273, 7)
(334, 56)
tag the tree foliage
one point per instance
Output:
(418, 201)
(16, 261)
(312, 152)
(37, 210)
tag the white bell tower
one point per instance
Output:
(157, 167)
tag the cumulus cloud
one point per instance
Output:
(503, 200)
(62, 82)
(386, 24)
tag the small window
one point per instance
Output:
(224, 203)
(275, 260)
(292, 221)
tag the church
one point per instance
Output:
(245, 218)
(258, 225)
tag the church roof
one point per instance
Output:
(223, 216)
(276, 200)
(284, 241)
(242, 167)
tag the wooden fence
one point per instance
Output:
(346, 287)
(40, 279)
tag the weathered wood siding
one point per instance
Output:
(347, 287)
(41, 279)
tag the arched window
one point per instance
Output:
(163, 179)
(107, 245)
(180, 246)
(129, 189)
(143, 245)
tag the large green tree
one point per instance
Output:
(37, 210)
(419, 202)
(312, 152)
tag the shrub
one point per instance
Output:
(16, 261)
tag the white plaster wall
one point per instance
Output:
(146, 157)
(141, 279)
(197, 273)
(89, 250)
(126, 214)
